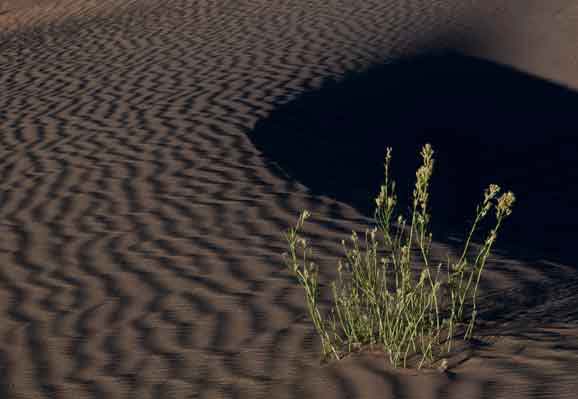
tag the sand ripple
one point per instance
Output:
(140, 227)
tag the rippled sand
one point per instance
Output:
(142, 201)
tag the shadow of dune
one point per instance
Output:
(487, 123)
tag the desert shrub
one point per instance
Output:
(379, 301)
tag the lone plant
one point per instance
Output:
(378, 301)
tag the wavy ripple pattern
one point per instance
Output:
(141, 230)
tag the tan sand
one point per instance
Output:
(140, 228)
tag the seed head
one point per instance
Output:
(427, 153)
(491, 192)
(489, 195)
(354, 237)
(390, 202)
(381, 197)
(505, 203)
(423, 175)
(387, 155)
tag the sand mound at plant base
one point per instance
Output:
(140, 229)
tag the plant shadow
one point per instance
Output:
(487, 123)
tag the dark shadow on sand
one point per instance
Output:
(487, 123)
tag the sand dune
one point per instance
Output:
(148, 168)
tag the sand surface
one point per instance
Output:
(152, 153)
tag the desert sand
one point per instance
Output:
(152, 152)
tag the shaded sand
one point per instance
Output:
(151, 153)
